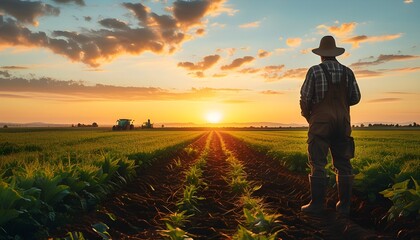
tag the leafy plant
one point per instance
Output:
(190, 199)
(177, 219)
(405, 199)
(102, 230)
(174, 233)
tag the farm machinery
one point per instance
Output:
(123, 124)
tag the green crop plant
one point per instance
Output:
(191, 151)
(177, 219)
(193, 176)
(190, 199)
(406, 199)
(9, 199)
(258, 220)
(174, 233)
(239, 184)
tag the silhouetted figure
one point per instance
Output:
(329, 90)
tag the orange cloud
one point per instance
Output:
(190, 13)
(366, 73)
(383, 59)
(52, 89)
(341, 31)
(262, 53)
(408, 1)
(200, 31)
(160, 34)
(271, 92)
(355, 41)
(293, 42)
(250, 70)
(14, 67)
(306, 50)
(250, 25)
(381, 100)
(27, 11)
(238, 62)
(207, 63)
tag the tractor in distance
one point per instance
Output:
(147, 124)
(123, 124)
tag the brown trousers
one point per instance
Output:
(329, 129)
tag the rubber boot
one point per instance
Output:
(344, 187)
(318, 187)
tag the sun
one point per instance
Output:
(213, 117)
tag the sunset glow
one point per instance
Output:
(213, 117)
(171, 61)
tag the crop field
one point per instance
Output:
(161, 184)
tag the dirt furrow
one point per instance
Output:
(285, 192)
(139, 206)
(218, 214)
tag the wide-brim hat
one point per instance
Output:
(327, 48)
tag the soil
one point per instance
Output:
(140, 206)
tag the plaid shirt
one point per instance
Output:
(316, 84)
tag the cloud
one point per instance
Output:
(5, 74)
(293, 42)
(341, 31)
(297, 73)
(250, 25)
(306, 50)
(229, 51)
(14, 67)
(382, 100)
(262, 53)
(366, 73)
(271, 92)
(408, 1)
(238, 62)
(404, 70)
(207, 63)
(159, 34)
(250, 70)
(400, 93)
(355, 41)
(78, 2)
(383, 59)
(200, 32)
(53, 89)
(26, 11)
(87, 18)
(113, 23)
(190, 13)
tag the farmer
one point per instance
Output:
(329, 90)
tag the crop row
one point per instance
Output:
(257, 222)
(187, 205)
(37, 197)
(387, 162)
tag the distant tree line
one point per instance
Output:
(84, 125)
(382, 125)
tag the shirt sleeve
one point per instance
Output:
(306, 94)
(355, 94)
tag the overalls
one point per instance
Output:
(329, 128)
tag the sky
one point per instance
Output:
(200, 61)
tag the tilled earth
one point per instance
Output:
(140, 206)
